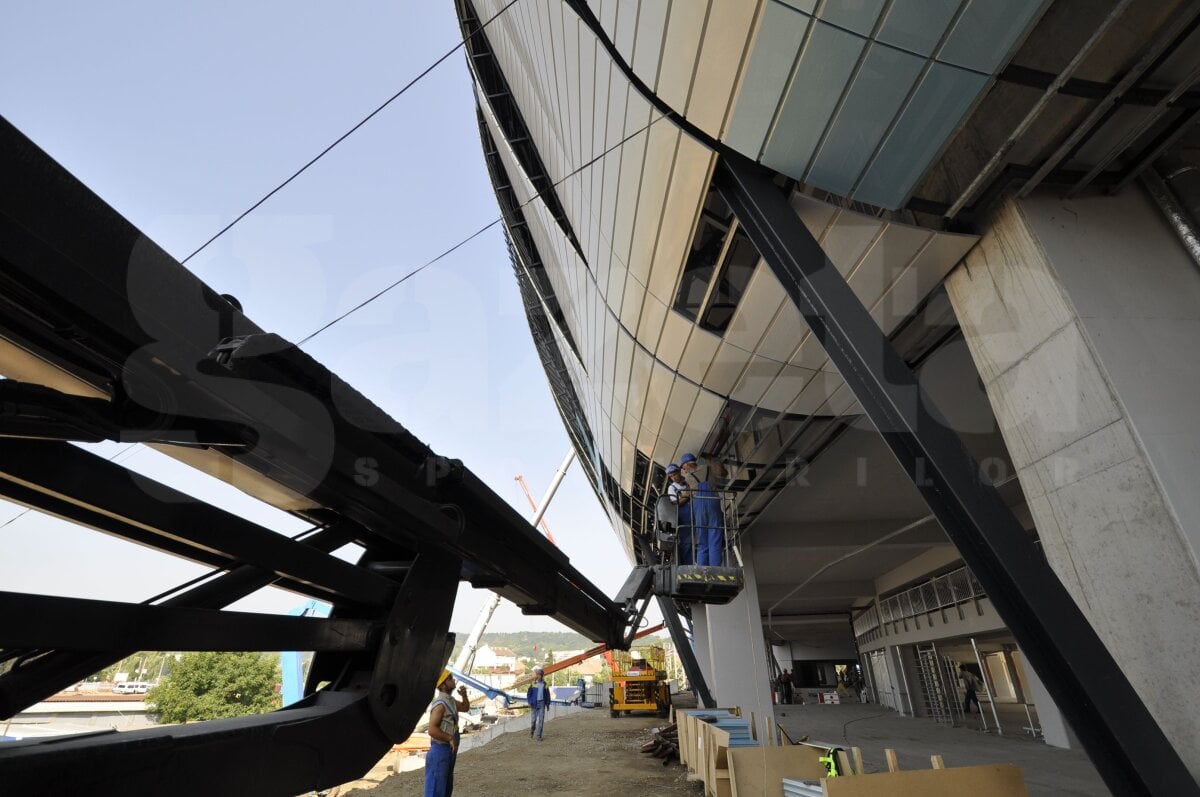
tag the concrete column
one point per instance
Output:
(733, 655)
(1054, 728)
(1083, 318)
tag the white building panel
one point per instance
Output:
(722, 55)
(698, 354)
(759, 374)
(675, 332)
(681, 49)
(676, 412)
(755, 311)
(690, 177)
(650, 325)
(656, 178)
(725, 368)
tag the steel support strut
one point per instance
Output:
(683, 646)
(1124, 742)
(332, 736)
(683, 649)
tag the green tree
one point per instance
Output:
(206, 686)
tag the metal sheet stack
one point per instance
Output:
(737, 728)
(802, 788)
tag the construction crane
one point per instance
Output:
(529, 497)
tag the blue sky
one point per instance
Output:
(180, 117)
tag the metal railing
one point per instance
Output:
(688, 538)
(923, 600)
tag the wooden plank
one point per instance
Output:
(991, 780)
(893, 763)
(715, 757)
(690, 739)
(785, 740)
(937, 761)
(843, 762)
(858, 760)
(759, 771)
(685, 739)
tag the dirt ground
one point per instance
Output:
(588, 754)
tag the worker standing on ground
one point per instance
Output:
(539, 700)
(706, 509)
(681, 495)
(443, 737)
(971, 683)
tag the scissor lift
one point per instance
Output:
(639, 682)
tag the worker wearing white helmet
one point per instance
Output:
(539, 700)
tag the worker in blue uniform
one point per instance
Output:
(706, 511)
(681, 496)
(538, 698)
(443, 737)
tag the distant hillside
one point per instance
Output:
(536, 644)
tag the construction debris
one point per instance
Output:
(665, 744)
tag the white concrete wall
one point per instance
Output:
(1083, 318)
(733, 654)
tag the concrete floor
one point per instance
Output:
(1047, 770)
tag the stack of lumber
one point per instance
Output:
(706, 737)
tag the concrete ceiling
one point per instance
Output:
(853, 494)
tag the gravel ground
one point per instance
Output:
(588, 754)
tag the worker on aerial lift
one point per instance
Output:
(681, 496)
(706, 509)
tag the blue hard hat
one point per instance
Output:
(686, 458)
(672, 469)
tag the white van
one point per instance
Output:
(131, 688)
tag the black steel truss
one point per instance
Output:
(155, 355)
(47, 622)
(1123, 740)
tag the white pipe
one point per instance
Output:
(553, 488)
(983, 671)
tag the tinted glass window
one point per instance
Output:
(735, 276)
(701, 263)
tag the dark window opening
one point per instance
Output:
(736, 271)
(707, 245)
(718, 268)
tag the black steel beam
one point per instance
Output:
(1124, 742)
(381, 476)
(54, 670)
(332, 736)
(49, 622)
(683, 649)
(325, 740)
(91, 490)
(87, 289)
